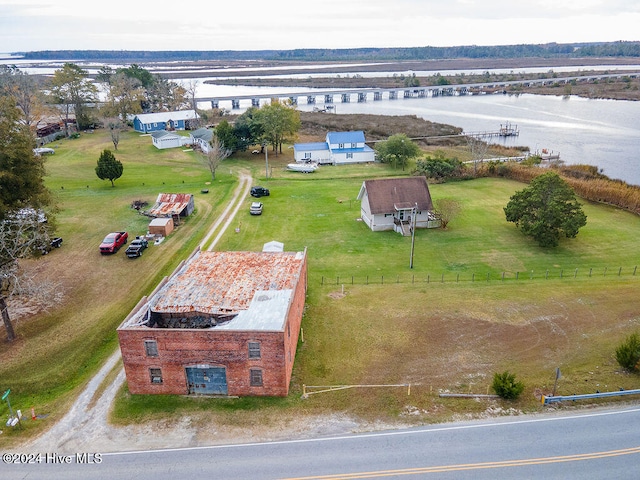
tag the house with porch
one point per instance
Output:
(338, 148)
(201, 139)
(397, 204)
(224, 323)
(152, 122)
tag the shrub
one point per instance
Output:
(505, 385)
(628, 353)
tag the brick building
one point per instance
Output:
(224, 323)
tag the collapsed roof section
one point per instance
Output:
(225, 290)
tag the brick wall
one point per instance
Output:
(181, 348)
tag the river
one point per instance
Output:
(603, 133)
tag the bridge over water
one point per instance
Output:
(346, 95)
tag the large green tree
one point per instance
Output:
(546, 210)
(247, 130)
(278, 123)
(21, 171)
(71, 87)
(109, 168)
(226, 136)
(397, 149)
(22, 196)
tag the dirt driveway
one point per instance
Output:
(85, 428)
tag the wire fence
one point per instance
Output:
(456, 277)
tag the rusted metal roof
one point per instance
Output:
(168, 204)
(386, 195)
(226, 282)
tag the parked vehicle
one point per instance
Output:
(53, 243)
(134, 250)
(113, 242)
(259, 192)
(44, 151)
(256, 208)
(302, 167)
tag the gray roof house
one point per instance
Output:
(201, 139)
(392, 203)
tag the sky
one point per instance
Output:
(31, 25)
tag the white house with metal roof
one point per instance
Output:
(339, 148)
(163, 139)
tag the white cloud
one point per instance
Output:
(281, 24)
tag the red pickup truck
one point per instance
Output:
(113, 242)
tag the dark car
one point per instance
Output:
(259, 192)
(136, 247)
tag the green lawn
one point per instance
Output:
(450, 333)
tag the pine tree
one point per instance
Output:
(109, 168)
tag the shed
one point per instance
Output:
(163, 139)
(170, 204)
(161, 226)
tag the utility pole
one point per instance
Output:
(414, 211)
(266, 160)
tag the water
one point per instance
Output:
(604, 133)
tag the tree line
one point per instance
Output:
(568, 50)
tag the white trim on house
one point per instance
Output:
(339, 148)
(391, 203)
(163, 139)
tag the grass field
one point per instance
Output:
(439, 326)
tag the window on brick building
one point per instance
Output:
(156, 375)
(151, 348)
(254, 350)
(255, 377)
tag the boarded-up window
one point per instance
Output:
(255, 377)
(254, 349)
(156, 375)
(151, 348)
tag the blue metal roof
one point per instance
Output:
(345, 137)
(307, 147)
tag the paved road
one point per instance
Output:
(599, 444)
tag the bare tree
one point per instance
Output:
(447, 209)
(26, 90)
(216, 154)
(22, 234)
(479, 149)
(125, 96)
(191, 90)
(115, 126)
